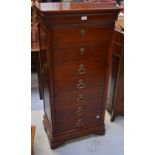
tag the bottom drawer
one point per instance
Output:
(78, 117)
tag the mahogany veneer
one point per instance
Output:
(75, 43)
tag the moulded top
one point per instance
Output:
(59, 7)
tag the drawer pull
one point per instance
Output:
(79, 111)
(79, 123)
(81, 84)
(80, 98)
(81, 69)
(82, 50)
(82, 32)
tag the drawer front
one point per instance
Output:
(79, 69)
(78, 98)
(81, 35)
(81, 19)
(82, 52)
(78, 84)
(79, 117)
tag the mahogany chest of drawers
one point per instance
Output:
(75, 43)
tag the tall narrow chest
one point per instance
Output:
(75, 43)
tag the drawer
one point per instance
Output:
(78, 117)
(78, 98)
(81, 52)
(81, 18)
(82, 35)
(79, 69)
(78, 84)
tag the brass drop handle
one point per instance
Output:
(82, 50)
(80, 98)
(79, 123)
(81, 69)
(81, 84)
(82, 32)
(79, 111)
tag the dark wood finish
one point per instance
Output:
(82, 52)
(75, 7)
(79, 69)
(86, 113)
(90, 34)
(75, 59)
(76, 18)
(78, 98)
(72, 84)
(115, 101)
(34, 61)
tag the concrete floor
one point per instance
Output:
(112, 143)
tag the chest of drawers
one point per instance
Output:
(75, 39)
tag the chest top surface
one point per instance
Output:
(70, 7)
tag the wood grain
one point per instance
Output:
(69, 74)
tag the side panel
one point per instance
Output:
(112, 82)
(115, 100)
(44, 70)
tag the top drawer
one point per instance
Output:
(80, 18)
